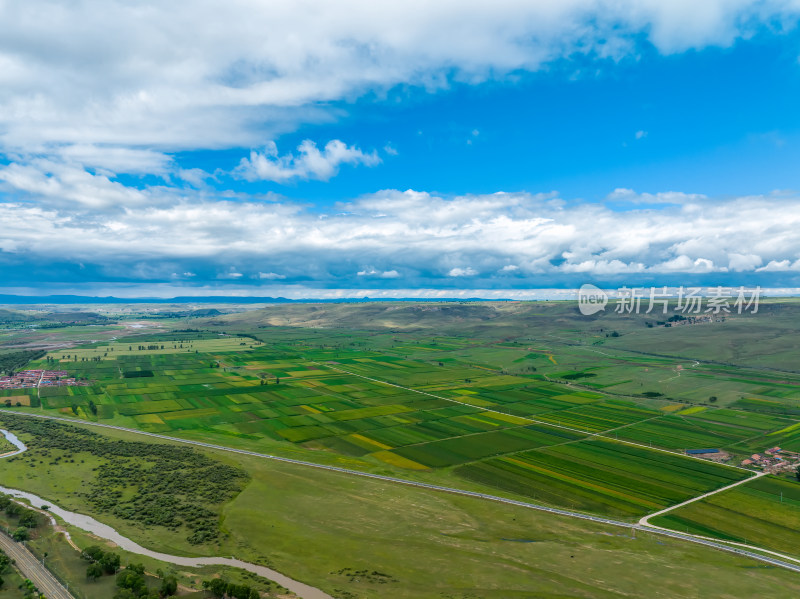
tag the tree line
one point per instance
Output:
(175, 487)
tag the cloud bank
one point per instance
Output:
(407, 239)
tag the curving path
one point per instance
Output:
(780, 560)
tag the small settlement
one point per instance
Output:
(30, 379)
(773, 460)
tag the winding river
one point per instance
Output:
(90, 525)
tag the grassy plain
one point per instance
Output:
(313, 524)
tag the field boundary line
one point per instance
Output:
(533, 420)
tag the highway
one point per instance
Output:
(782, 561)
(32, 569)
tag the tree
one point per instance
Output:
(29, 519)
(797, 473)
(712, 399)
(128, 579)
(217, 586)
(110, 562)
(20, 534)
(93, 553)
(94, 571)
(169, 586)
(75, 409)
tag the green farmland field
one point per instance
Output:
(603, 476)
(764, 512)
(440, 406)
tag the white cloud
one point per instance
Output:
(744, 262)
(194, 176)
(310, 163)
(780, 266)
(371, 272)
(640, 134)
(668, 197)
(231, 274)
(685, 264)
(462, 272)
(115, 159)
(68, 184)
(417, 237)
(158, 77)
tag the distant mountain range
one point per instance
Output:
(211, 299)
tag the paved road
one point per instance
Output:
(780, 561)
(32, 569)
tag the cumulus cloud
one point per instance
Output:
(462, 272)
(309, 163)
(415, 237)
(371, 272)
(62, 183)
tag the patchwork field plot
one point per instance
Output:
(764, 512)
(602, 476)
(114, 350)
(436, 404)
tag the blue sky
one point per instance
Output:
(720, 121)
(398, 149)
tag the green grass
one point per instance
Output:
(311, 524)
